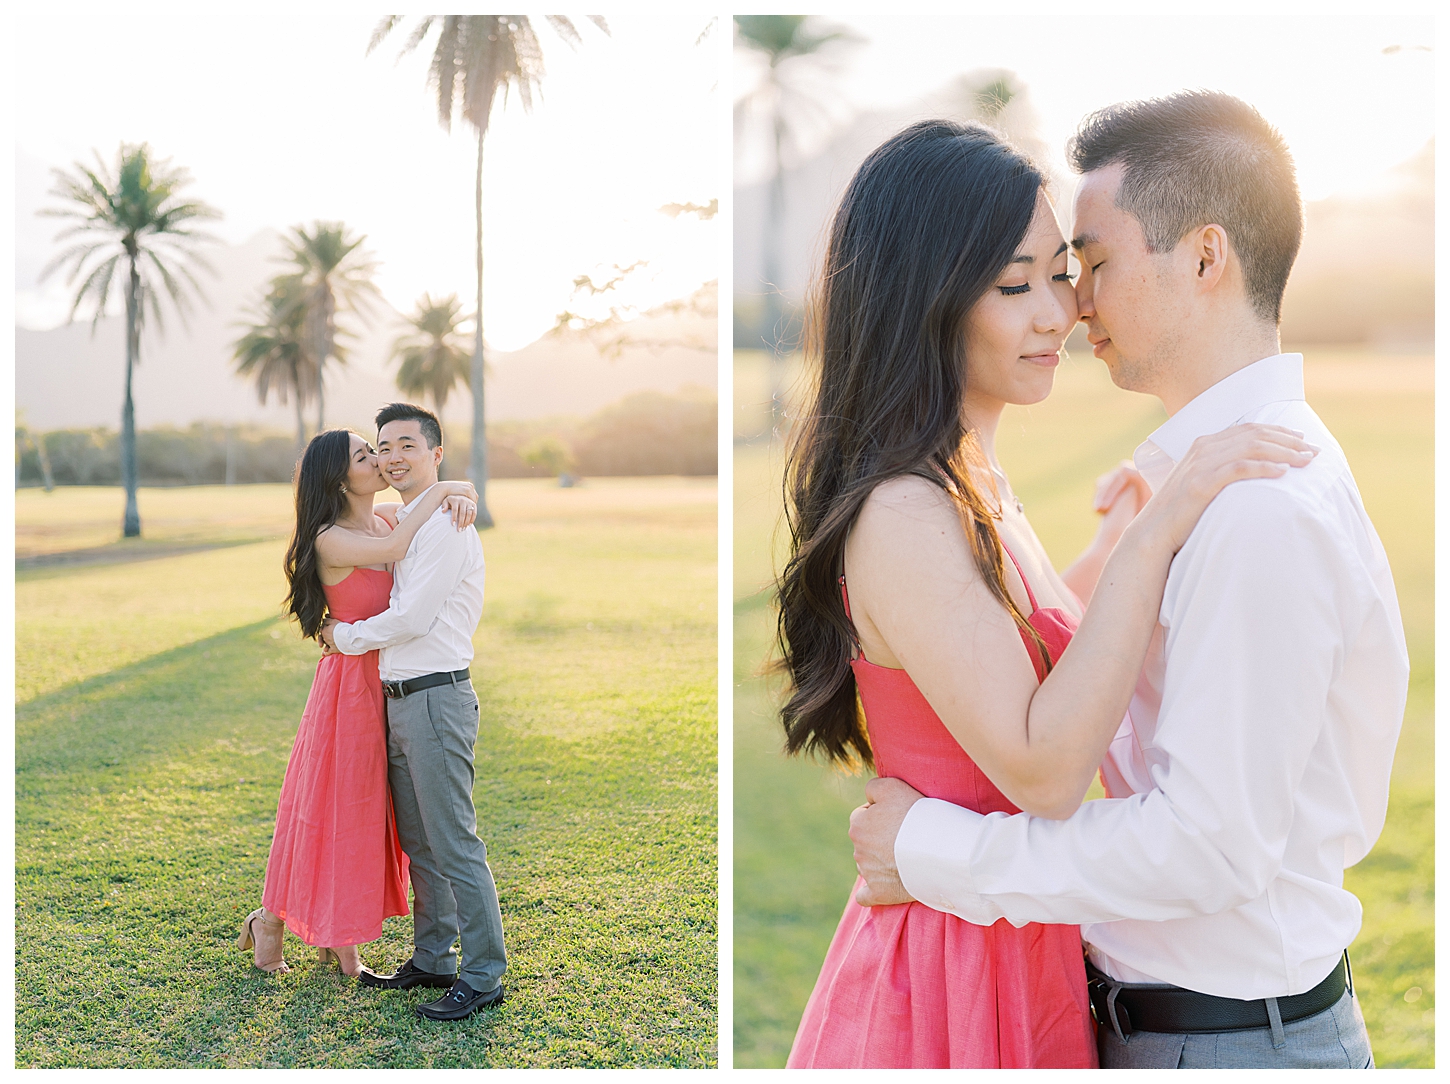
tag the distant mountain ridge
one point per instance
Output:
(67, 378)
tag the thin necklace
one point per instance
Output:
(1016, 500)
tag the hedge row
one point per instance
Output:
(646, 433)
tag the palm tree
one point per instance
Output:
(275, 351)
(334, 273)
(433, 359)
(476, 55)
(794, 51)
(129, 217)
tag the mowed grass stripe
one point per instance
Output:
(146, 795)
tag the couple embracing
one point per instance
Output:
(1227, 654)
(379, 787)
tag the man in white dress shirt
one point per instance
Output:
(1254, 764)
(425, 643)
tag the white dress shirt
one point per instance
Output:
(434, 607)
(1254, 765)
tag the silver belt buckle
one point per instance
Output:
(393, 690)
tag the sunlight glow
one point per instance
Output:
(282, 121)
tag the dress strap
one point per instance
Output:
(1030, 596)
(846, 601)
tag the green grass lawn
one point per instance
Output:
(156, 708)
(792, 861)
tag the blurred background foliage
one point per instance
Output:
(647, 433)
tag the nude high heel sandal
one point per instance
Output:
(265, 941)
(345, 956)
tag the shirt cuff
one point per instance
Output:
(932, 849)
(342, 637)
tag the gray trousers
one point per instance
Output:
(430, 769)
(1332, 1039)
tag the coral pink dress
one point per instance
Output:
(336, 869)
(910, 987)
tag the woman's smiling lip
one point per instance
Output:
(1047, 360)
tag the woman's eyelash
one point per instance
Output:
(1009, 290)
(1066, 276)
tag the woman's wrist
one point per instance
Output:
(1147, 539)
(1105, 540)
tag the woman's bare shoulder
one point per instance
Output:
(907, 501)
(910, 529)
(328, 537)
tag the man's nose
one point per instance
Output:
(1084, 290)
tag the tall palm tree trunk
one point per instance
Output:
(774, 214)
(301, 426)
(131, 525)
(479, 457)
(444, 465)
(320, 345)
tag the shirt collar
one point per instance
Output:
(406, 509)
(1271, 380)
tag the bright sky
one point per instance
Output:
(1317, 72)
(283, 120)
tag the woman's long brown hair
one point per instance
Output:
(321, 475)
(927, 224)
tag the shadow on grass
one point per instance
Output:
(125, 552)
(168, 703)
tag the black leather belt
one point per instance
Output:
(396, 690)
(1177, 1011)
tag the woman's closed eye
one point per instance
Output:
(1011, 290)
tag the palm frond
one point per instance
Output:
(271, 348)
(381, 31)
(97, 285)
(432, 358)
(170, 280)
(485, 62)
(443, 73)
(564, 27)
(130, 208)
(416, 37)
(79, 253)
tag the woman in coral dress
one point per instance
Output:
(336, 870)
(916, 588)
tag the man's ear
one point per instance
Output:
(438, 455)
(1210, 250)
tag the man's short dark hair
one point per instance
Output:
(402, 412)
(1198, 157)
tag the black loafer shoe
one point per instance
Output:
(405, 978)
(462, 1000)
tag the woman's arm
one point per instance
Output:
(340, 547)
(920, 604)
(1121, 495)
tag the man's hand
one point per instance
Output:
(873, 831)
(325, 636)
